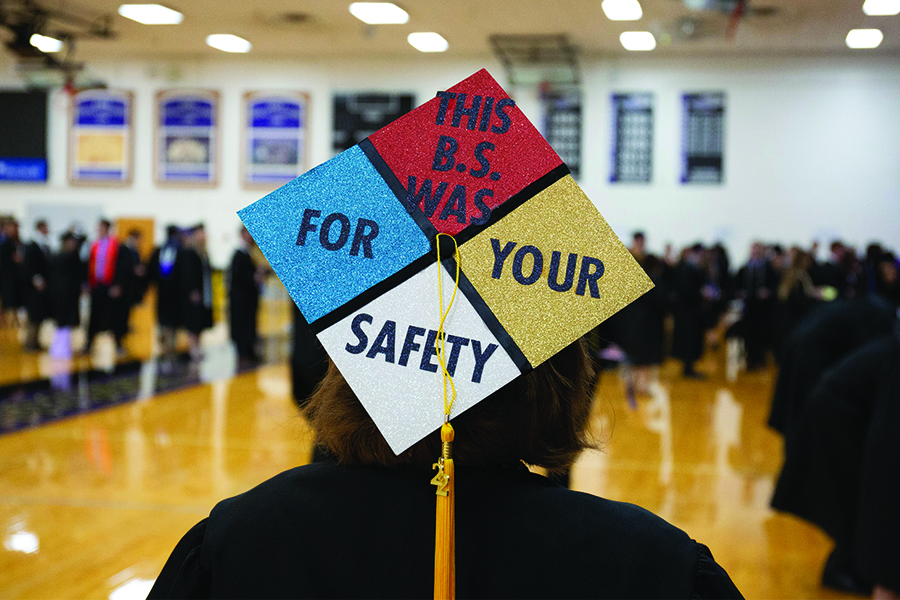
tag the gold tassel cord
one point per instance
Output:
(445, 521)
(445, 479)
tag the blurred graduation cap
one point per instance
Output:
(353, 241)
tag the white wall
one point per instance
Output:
(812, 144)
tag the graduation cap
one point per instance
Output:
(526, 259)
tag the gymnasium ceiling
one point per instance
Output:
(325, 28)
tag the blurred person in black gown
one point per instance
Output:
(243, 299)
(689, 280)
(755, 284)
(136, 285)
(796, 295)
(164, 272)
(639, 328)
(843, 469)
(719, 268)
(35, 269)
(109, 271)
(831, 331)
(835, 273)
(638, 247)
(68, 274)
(12, 255)
(868, 270)
(196, 289)
(887, 282)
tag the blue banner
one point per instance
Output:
(187, 112)
(100, 112)
(23, 169)
(276, 114)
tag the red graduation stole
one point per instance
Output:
(109, 263)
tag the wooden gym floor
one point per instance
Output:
(91, 505)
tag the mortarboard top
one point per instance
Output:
(352, 240)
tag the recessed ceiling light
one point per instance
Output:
(427, 41)
(622, 10)
(875, 8)
(864, 38)
(378, 13)
(45, 43)
(638, 40)
(228, 43)
(151, 14)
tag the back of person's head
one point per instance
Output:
(539, 418)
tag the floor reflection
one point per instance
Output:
(19, 539)
(69, 391)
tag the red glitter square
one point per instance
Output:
(459, 163)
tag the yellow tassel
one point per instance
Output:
(445, 520)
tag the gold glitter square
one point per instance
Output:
(540, 319)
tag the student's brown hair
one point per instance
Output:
(539, 418)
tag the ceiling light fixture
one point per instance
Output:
(427, 41)
(878, 8)
(151, 14)
(638, 41)
(622, 10)
(379, 13)
(228, 43)
(45, 43)
(864, 38)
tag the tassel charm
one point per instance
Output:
(445, 520)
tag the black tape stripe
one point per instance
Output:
(351, 306)
(529, 191)
(397, 187)
(489, 318)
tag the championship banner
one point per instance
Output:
(353, 240)
(101, 138)
(187, 141)
(703, 125)
(275, 138)
(632, 140)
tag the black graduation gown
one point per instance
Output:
(788, 314)
(243, 301)
(687, 337)
(11, 257)
(842, 471)
(832, 275)
(67, 274)
(757, 323)
(168, 281)
(195, 275)
(830, 332)
(639, 328)
(108, 313)
(36, 264)
(309, 361)
(328, 531)
(138, 279)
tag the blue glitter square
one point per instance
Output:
(334, 232)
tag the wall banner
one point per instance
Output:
(275, 138)
(632, 143)
(702, 138)
(101, 138)
(356, 116)
(187, 137)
